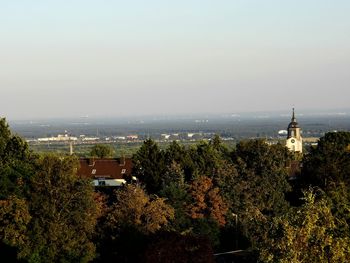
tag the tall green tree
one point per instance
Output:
(16, 162)
(175, 190)
(206, 159)
(150, 166)
(258, 180)
(263, 168)
(329, 161)
(63, 213)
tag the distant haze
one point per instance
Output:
(123, 58)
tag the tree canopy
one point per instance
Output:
(305, 234)
(189, 201)
(102, 151)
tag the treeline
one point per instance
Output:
(190, 202)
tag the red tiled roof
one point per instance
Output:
(113, 168)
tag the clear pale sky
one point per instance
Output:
(120, 58)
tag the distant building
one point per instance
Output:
(294, 140)
(132, 137)
(106, 171)
(59, 138)
(165, 136)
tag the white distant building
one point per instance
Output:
(59, 138)
(190, 135)
(165, 136)
(294, 140)
(90, 139)
(282, 132)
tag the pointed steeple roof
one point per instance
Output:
(293, 123)
(293, 116)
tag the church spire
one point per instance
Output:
(293, 116)
(294, 140)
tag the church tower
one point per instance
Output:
(294, 141)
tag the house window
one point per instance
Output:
(101, 183)
(123, 171)
(93, 171)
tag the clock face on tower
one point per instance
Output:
(292, 140)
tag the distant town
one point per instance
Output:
(126, 134)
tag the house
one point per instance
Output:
(106, 171)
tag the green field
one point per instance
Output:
(126, 149)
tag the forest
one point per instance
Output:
(190, 204)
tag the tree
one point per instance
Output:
(16, 162)
(327, 166)
(329, 161)
(217, 144)
(175, 190)
(258, 181)
(206, 159)
(130, 220)
(135, 209)
(263, 174)
(206, 201)
(175, 152)
(14, 220)
(171, 247)
(63, 214)
(149, 166)
(101, 151)
(305, 234)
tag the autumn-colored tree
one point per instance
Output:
(134, 208)
(305, 234)
(206, 201)
(134, 216)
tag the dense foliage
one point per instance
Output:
(101, 151)
(189, 201)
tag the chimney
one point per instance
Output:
(122, 160)
(91, 161)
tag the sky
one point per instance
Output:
(110, 58)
